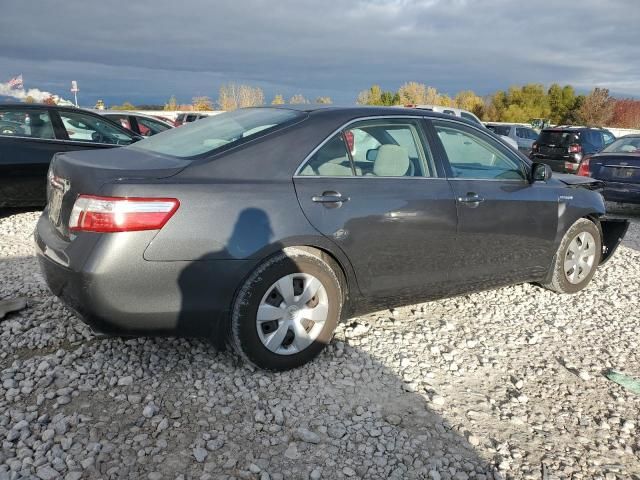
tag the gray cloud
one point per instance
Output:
(149, 49)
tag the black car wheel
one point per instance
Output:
(287, 310)
(577, 258)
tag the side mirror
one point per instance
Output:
(540, 172)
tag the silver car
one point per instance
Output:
(524, 135)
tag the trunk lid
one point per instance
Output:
(616, 167)
(75, 173)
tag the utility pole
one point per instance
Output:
(75, 90)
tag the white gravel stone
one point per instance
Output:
(382, 401)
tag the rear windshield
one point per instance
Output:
(500, 129)
(558, 138)
(624, 145)
(212, 133)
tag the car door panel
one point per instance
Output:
(396, 232)
(506, 225)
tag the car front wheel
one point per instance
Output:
(287, 310)
(577, 258)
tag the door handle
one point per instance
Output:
(471, 200)
(330, 199)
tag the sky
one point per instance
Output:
(144, 51)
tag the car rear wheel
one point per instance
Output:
(577, 258)
(287, 310)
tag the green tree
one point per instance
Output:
(124, 106)
(277, 100)
(467, 100)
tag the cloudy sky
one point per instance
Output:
(146, 50)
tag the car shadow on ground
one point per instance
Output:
(9, 211)
(631, 212)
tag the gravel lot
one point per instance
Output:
(502, 384)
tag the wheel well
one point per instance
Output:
(326, 255)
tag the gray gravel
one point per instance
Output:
(501, 384)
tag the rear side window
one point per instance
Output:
(26, 123)
(558, 138)
(331, 160)
(212, 133)
(500, 129)
(475, 156)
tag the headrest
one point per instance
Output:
(392, 161)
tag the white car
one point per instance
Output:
(459, 112)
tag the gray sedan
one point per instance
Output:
(263, 227)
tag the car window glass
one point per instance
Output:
(190, 118)
(500, 129)
(26, 123)
(624, 145)
(521, 133)
(387, 148)
(150, 127)
(122, 120)
(469, 117)
(331, 160)
(533, 135)
(87, 128)
(477, 157)
(449, 112)
(608, 138)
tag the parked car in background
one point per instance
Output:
(467, 115)
(165, 119)
(523, 135)
(563, 147)
(618, 166)
(30, 134)
(266, 226)
(183, 118)
(144, 125)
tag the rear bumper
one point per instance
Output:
(563, 165)
(115, 291)
(621, 192)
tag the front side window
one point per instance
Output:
(212, 133)
(87, 128)
(26, 123)
(475, 156)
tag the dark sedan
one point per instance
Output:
(618, 166)
(31, 134)
(264, 227)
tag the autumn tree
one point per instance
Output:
(468, 100)
(277, 100)
(298, 99)
(562, 103)
(202, 103)
(626, 114)
(324, 100)
(172, 104)
(50, 100)
(232, 96)
(597, 109)
(29, 99)
(376, 96)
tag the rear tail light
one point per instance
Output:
(583, 169)
(575, 148)
(118, 214)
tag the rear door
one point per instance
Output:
(27, 143)
(506, 225)
(375, 190)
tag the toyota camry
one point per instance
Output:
(263, 227)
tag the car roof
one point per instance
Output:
(364, 111)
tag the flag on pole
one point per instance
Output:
(16, 82)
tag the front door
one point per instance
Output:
(374, 190)
(506, 224)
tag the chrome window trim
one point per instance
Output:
(296, 174)
(62, 140)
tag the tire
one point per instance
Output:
(268, 319)
(567, 276)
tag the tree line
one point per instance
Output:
(559, 104)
